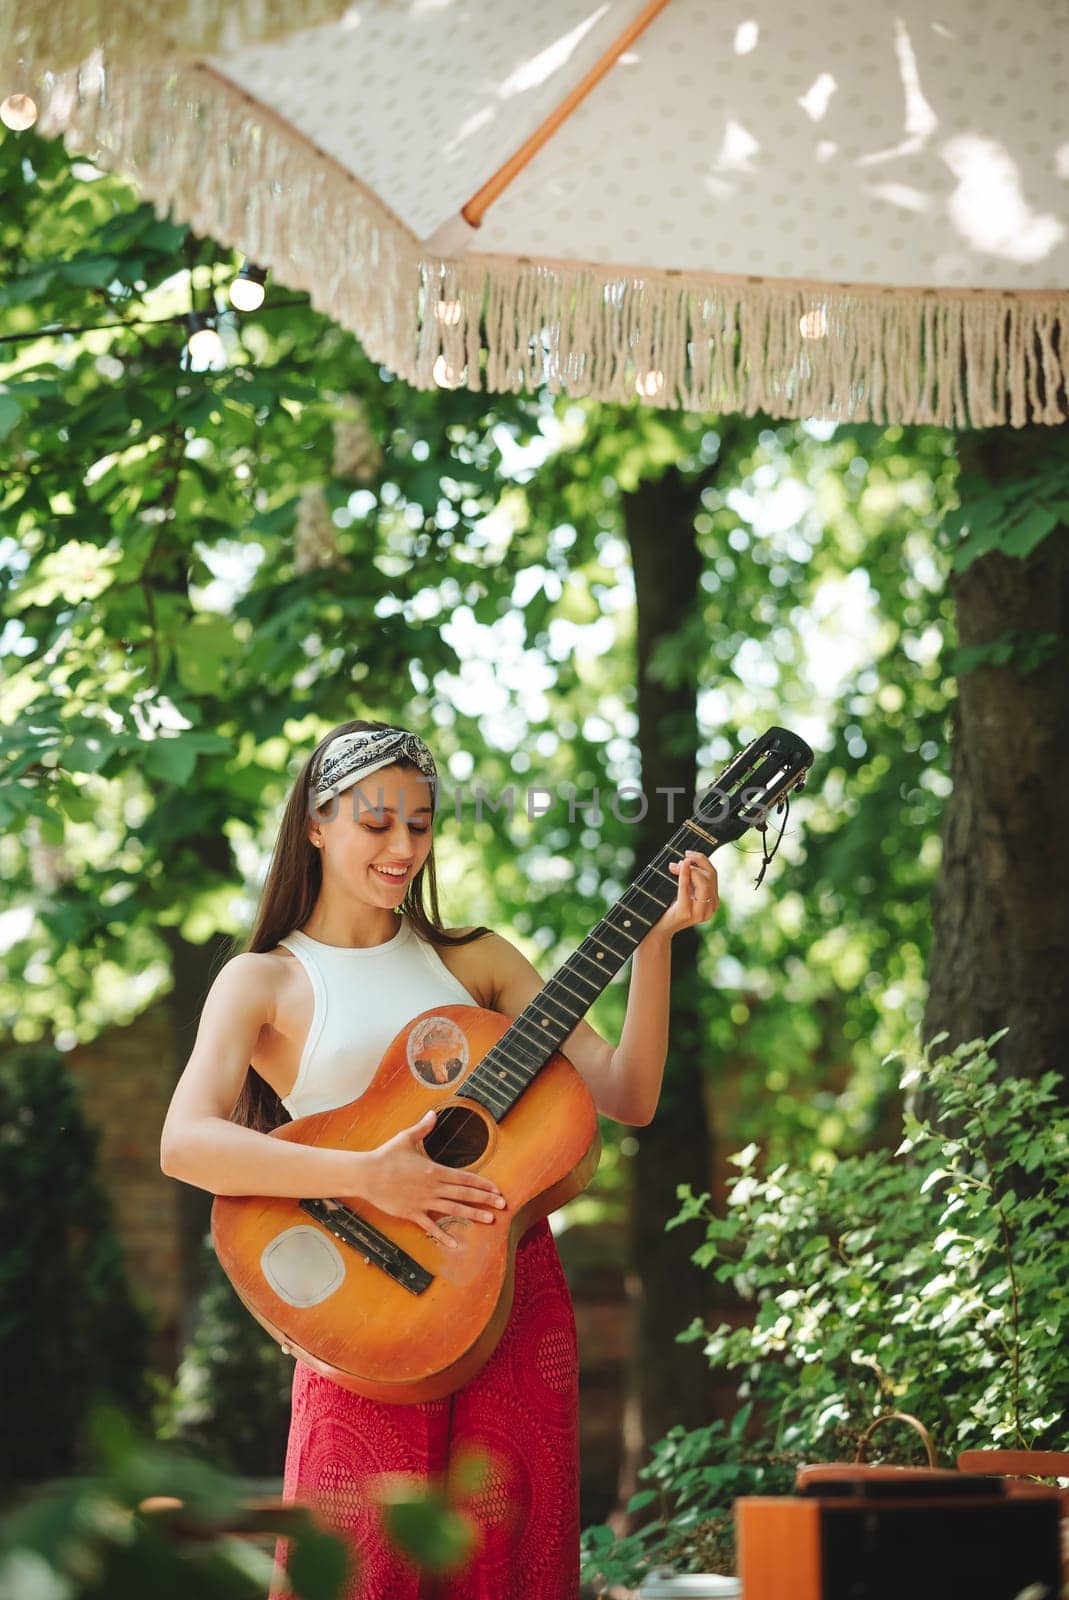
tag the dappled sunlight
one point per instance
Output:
(817, 97)
(840, 630)
(737, 148)
(920, 120)
(903, 195)
(548, 62)
(528, 75)
(988, 208)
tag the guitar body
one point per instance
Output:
(421, 1325)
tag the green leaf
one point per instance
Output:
(164, 235)
(1022, 537)
(319, 1565)
(429, 1533)
(91, 272)
(76, 571)
(10, 412)
(203, 652)
(28, 288)
(171, 758)
(89, 752)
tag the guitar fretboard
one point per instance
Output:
(542, 1027)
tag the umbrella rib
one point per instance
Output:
(474, 209)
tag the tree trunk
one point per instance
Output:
(674, 1384)
(1001, 908)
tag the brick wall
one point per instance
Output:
(126, 1077)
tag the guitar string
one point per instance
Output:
(547, 1001)
(486, 1084)
(482, 1080)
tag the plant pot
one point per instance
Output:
(663, 1584)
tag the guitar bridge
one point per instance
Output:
(351, 1229)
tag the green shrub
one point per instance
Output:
(231, 1397)
(70, 1331)
(934, 1280)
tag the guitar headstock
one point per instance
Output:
(753, 783)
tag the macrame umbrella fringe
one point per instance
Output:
(196, 146)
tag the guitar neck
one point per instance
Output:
(543, 1025)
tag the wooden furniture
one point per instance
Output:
(1021, 1469)
(860, 1532)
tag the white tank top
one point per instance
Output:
(363, 998)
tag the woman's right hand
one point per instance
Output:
(400, 1179)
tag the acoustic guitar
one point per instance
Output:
(366, 1298)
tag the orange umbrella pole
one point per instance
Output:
(475, 208)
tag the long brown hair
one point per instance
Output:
(294, 879)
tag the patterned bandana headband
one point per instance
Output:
(353, 756)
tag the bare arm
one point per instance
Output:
(201, 1146)
(625, 1081)
(199, 1143)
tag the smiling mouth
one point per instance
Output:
(391, 877)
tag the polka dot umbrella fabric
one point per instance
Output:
(819, 208)
(881, 144)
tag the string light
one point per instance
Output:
(448, 312)
(54, 330)
(247, 291)
(204, 344)
(814, 324)
(648, 385)
(445, 375)
(18, 112)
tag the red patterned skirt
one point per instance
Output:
(520, 1411)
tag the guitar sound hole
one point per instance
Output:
(458, 1138)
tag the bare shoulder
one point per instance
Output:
(488, 967)
(250, 981)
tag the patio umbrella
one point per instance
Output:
(844, 208)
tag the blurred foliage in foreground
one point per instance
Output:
(151, 1521)
(934, 1280)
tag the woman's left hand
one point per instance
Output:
(698, 895)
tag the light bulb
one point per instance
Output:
(248, 289)
(445, 375)
(814, 325)
(18, 112)
(650, 384)
(448, 312)
(204, 344)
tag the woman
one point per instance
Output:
(349, 926)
